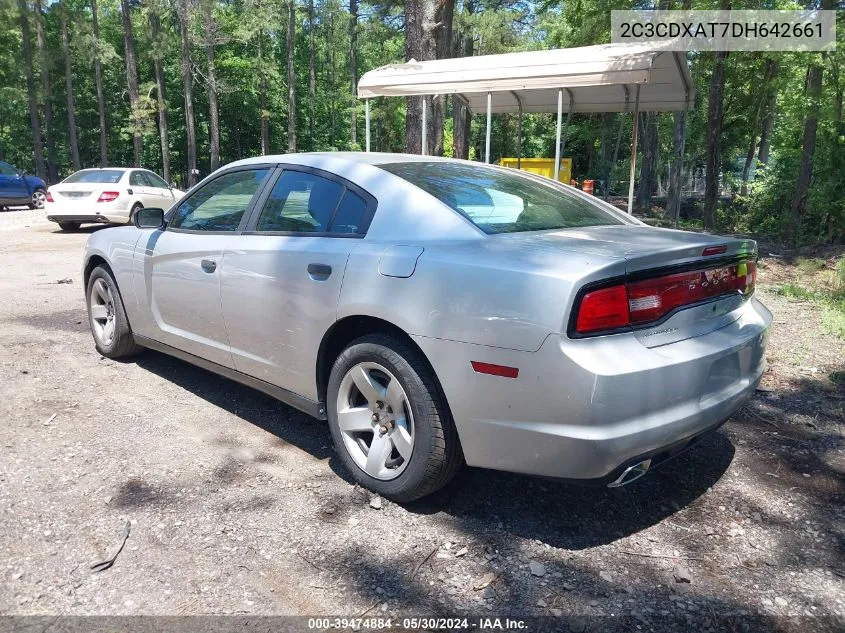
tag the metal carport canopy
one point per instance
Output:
(604, 78)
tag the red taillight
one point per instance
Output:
(604, 309)
(108, 196)
(49, 197)
(641, 302)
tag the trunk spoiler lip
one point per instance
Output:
(650, 273)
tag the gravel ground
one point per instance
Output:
(237, 504)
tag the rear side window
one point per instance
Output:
(300, 203)
(350, 215)
(108, 176)
(497, 201)
(137, 179)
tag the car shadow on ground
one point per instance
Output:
(573, 516)
(88, 228)
(489, 503)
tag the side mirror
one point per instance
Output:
(149, 218)
(172, 185)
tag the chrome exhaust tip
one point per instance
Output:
(632, 473)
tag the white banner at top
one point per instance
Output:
(807, 30)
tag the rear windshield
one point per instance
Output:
(500, 202)
(96, 175)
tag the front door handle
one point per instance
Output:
(209, 265)
(319, 272)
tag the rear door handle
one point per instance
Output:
(209, 265)
(319, 272)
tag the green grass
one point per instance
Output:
(833, 318)
(798, 293)
(809, 265)
(832, 304)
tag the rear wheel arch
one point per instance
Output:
(343, 332)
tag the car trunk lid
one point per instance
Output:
(650, 253)
(74, 191)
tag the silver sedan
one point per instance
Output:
(438, 312)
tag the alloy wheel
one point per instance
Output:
(375, 420)
(102, 312)
(39, 198)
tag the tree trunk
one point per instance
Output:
(353, 70)
(419, 45)
(676, 168)
(131, 80)
(52, 170)
(312, 75)
(813, 90)
(461, 116)
(331, 77)
(262, 90)
(155, 26)
(755, 124)
(71, 109)
(444, 17)
(679, 139)
(715, 120)
(648, 162)
(34, 119)
(768, 128)
(291, 78)
(98, 81)
(187, 89)
(769, 117)
(213, 116)
(650, 149)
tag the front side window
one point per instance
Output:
(219, 205)
(500, 202)
(155, 180)
(300, 203)
(107, 176)
(7, 170)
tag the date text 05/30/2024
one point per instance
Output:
(420, 623)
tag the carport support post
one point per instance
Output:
(518, 132)
(557, 136)
(424, 135)
(634, 149)
(367, 121)
(487, 143)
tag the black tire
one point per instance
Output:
(135, 208)
(69, 226)
(32, 204)
(436, 454)
(122, 343)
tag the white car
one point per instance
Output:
(108, 195)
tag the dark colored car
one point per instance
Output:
(18, 189)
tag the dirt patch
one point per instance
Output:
(238, 505)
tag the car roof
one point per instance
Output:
(362, 158)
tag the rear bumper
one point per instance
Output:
(585, 409)
(55, 217)
(84, 214)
